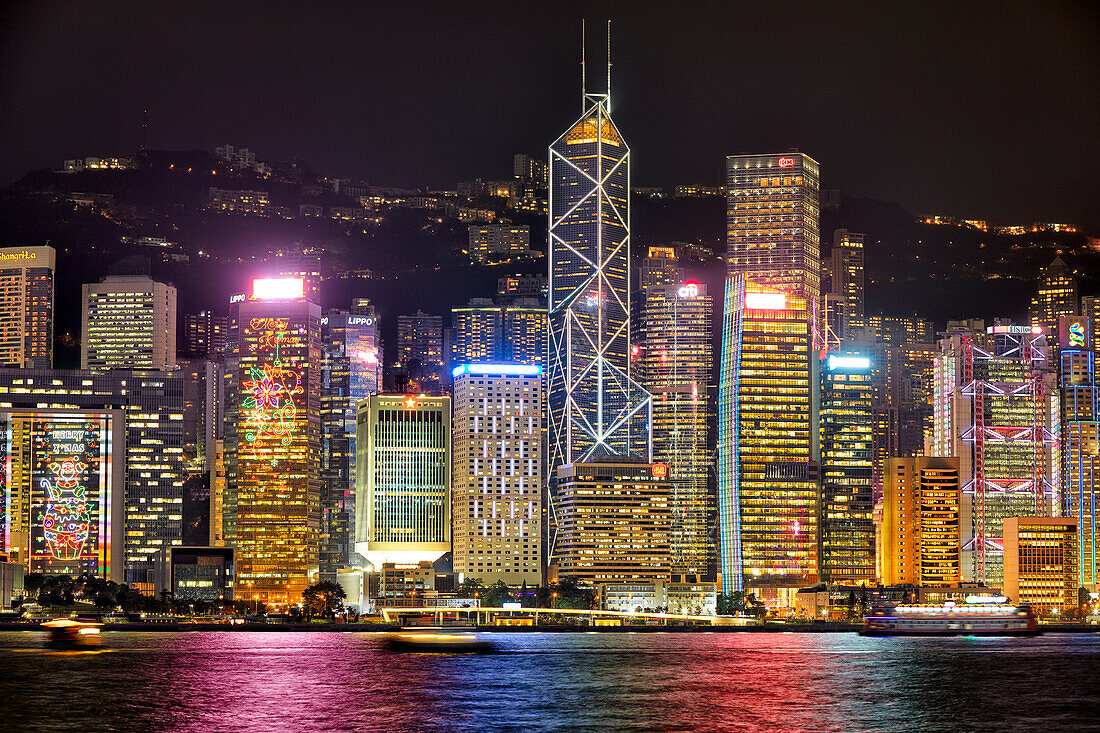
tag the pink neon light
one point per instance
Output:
(278, 288)
(766, 301)
(786, 162)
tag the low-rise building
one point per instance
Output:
(1041, 562)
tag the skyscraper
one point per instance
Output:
(1090, 311)
(1056, 296)
(141, 409)
(496, 480)
(772, 222)
(485, 332)
(901, 330)
(128, 322)
(659, 267)
(26, 307)
(673, 362)
(1080, 441)
(996, 408)
(204, 334)
(477, 332)
(276, 486)
(845, 523)
(351, 369)
(902, 378)
(403, 477)
(523, 332)
(596, 408)
(767, 490)
(420, 349)
(1041, 562)
(847, 282)
(63, 505)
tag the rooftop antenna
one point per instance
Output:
(144, 127)
(609, 66)
(584, 87)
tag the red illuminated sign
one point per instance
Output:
(659, 470)
(786, 162)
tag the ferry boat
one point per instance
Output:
(66, 633)
(426, 643)
(979, 616)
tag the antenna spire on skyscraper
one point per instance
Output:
(609, 65)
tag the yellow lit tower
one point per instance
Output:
(767, 488)
(1056, 296)
(277, 495)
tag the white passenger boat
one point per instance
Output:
(977, 617)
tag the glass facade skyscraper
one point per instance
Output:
(595, 408)
(845, 525)
(996, 408)
(351, 371)
(673, 362)
(1080, 440)
(767, 494)
(772, 222)
(767, 488)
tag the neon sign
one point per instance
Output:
(505, 370)
(1035, 330)
(659, 470)
(688, 290)
(786, 162)
(278, 288)
(360, 321)
(268, 404)
(69, 525)
(766, 301)
(847, 362)
(1076, 334)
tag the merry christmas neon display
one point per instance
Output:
(66, 521)
(269, 395)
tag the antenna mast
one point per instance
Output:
(584, 88)
(609, 66)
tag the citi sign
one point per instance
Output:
(688, 290)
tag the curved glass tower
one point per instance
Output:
(596, 409)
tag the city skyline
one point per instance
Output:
(323, 453)
(403, 357)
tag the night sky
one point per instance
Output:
(990, 111)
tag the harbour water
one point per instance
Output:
(257, 681)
